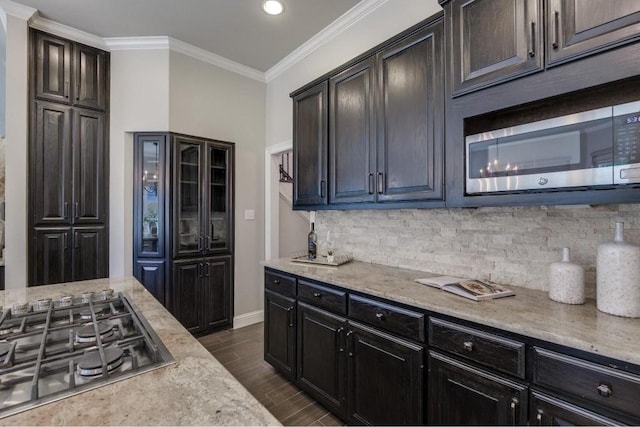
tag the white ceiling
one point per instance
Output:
(235, 29)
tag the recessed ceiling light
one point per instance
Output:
(272, 7)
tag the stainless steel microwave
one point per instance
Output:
(592, 148)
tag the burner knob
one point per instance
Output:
(43, 304)
(107, 294)
(20, 308)
(88, 296)
(66, 300)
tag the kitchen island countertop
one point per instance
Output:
(530, 312)
(196, 390)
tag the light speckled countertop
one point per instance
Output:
(529, 313)
(196, 390)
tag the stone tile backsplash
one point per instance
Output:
(510, 245)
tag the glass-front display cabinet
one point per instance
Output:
(150, 195)
(202, 197)
(183, 218)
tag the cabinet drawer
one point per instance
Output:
(609, 387)
(394, 319)
(280, 283)
(323, 297)
(498, 353)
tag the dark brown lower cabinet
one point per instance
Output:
(358, 373)
(550, 411)
(89, 251)
(385, 378)
(321, 357)
(68, 254)
(200, 292)
(51, 259)
(187, 285)
(280, 333)
(151, 274)
(460, 394)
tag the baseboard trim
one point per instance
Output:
(248, 319)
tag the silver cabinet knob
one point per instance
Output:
(604, 390)
(468, 345)
(543, 181)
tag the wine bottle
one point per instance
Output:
(312, 247)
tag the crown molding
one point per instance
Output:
(137, 43)
(18, 10)
(352, 16)
(163, 42)
(349, 18)
(43, 24)
(217, 60)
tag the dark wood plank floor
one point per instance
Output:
(241, 352)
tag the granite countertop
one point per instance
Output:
(196, 390)
(529, 313)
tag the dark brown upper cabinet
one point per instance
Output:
(52, 68)
(51, 175)
(352, 134)
(411, 118)
(90, 167)
(310, 110)
(69, 72)
(90, 73)
(386, 127)
(69, 165)
(579, 28)
(493, 41)
(386, 124)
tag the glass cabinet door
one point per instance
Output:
(187, 205)
(217, 227)
(150, 191)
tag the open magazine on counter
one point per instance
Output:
(477, 290)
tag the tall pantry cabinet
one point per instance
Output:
(68, 161)
(183, 226)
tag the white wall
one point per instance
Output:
(211, 102)
(3, 76)
(294, 227)
(16, 153)
(139, 102)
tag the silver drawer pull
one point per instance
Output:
(379, 316)
(317, 294)
(468, 345)
(604, 390)
(276, 281)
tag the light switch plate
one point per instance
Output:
(249, 214)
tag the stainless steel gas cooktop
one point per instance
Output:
(51, 349)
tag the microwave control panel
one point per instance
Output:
(626, 143)
(627, 139)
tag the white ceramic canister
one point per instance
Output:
(566, 280)
(618, 276)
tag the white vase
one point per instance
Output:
(566, 280)
(618, 276)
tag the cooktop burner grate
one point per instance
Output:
(54, 349)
